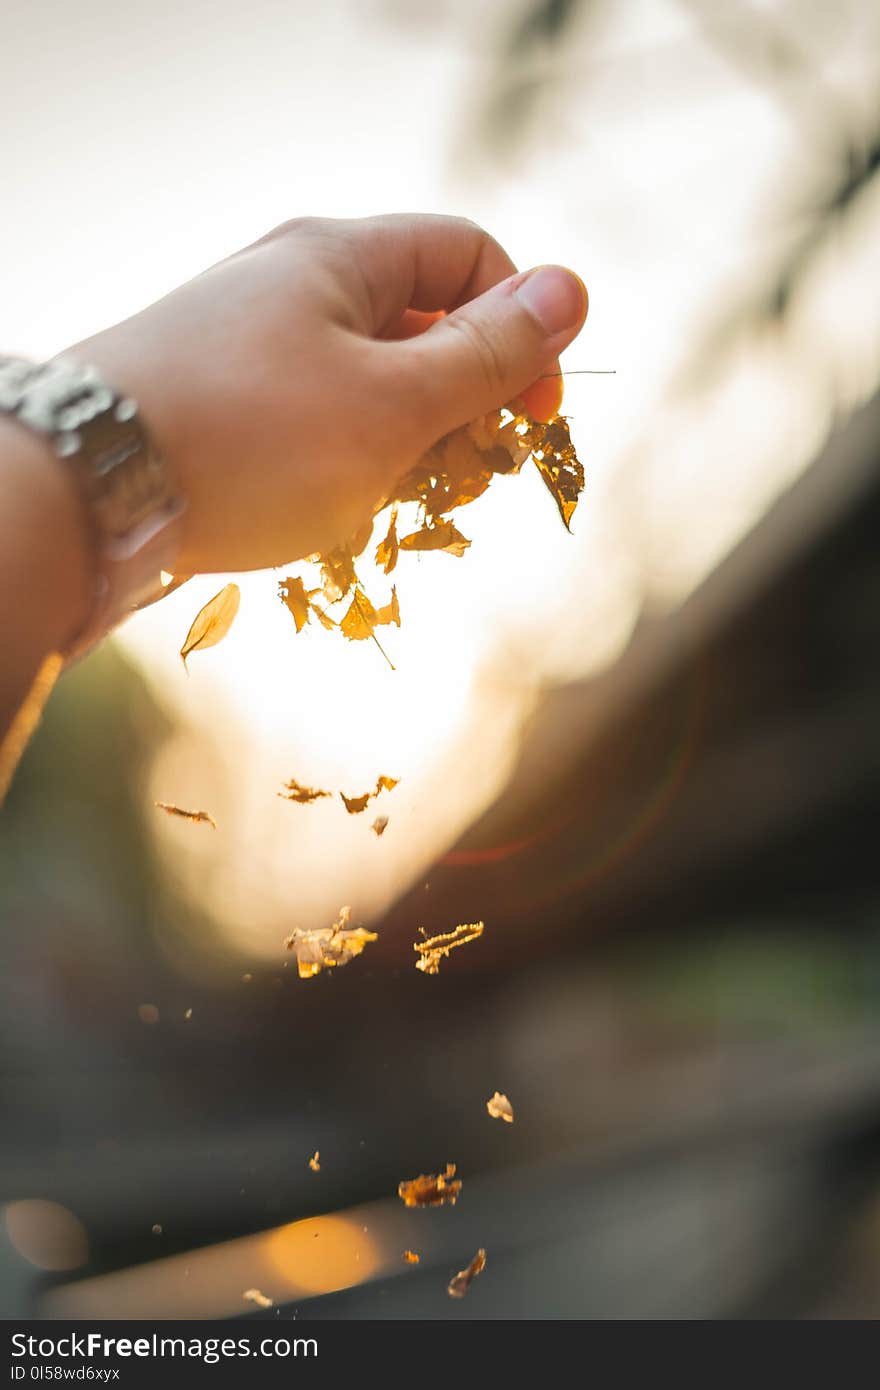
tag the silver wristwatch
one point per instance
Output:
(131, 504)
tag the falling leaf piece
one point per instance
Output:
(293, 791)
(410, 1257)
(260, 1299)
(355, 804)
(461, 1282)
(431, 1190)
(432, 949)
(197, 816)
(212, 622)
(379, 825)
(325, 947)
(315, 1161)
(500, 1108)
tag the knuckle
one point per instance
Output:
(301, 227)
(484, 348)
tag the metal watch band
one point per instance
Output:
(131, 504)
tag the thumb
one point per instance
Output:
(489, 350)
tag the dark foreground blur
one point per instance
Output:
(680, 995)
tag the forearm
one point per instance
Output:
(44, 561)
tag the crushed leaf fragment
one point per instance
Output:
(431, 1190)
(326, 947)
(355, 804)
(410, 1257)
(461, 1282)
(443, 536)
(195, 816)
(260, 1299)
(433, 949)
(292, 592)
(315, 1161)
(303, 796)
(379, 825)
(212, 622)
(500, 1108)
(386, 550)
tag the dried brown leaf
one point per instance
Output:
(433, 949)
(315, 1161)
(559, 465)
(431, 1190)
(461, 1282)
(212, 622)
(360, 618)
(410, 1257)
(379, 825)
(196, 816)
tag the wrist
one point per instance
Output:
(48, 551)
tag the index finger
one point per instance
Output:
(423, 261)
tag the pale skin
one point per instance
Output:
(288, 387)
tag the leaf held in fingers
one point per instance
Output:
(196, 816)
(431, 1189)
(360, 618)
(386, 550)
(443, 536)
(559, 465)
(337, 573)
(390, 613)
(461, 1282)
(292, 592)
(212, 622)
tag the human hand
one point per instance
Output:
(292, 384)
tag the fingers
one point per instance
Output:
(494, 347)
(422, 262)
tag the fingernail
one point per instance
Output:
(554, 296)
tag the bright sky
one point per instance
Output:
(149, 140)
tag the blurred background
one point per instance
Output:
(646, 755)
